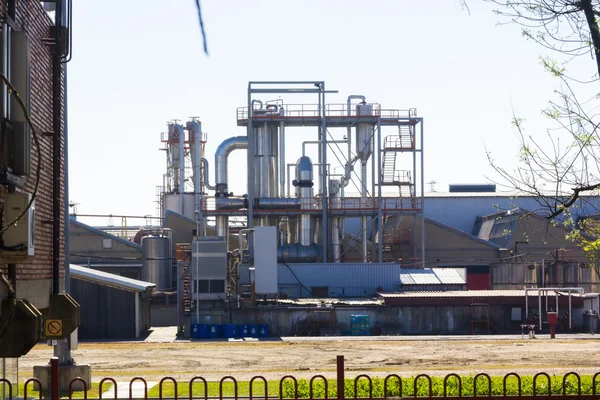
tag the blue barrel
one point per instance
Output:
(229, 331)
(203, 332)
(243, 331)
(253, 331)
(214, 331)
(196, 331)
(263, 330)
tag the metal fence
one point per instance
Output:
(452, 386)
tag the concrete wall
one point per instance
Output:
(163, 315)
(406, 320)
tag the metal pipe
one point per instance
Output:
(181, 137)
(318, 142)
(205, 168)
(249, 162)
(304, 181)
(221, 158)
(363, 219)
(570, 309)
(281, 159)
(540, 308)
(241, 242)
(379, 205)
(323, 180)
(5, 68)
(422, 200)
(56, 144)
(195, 129)
(336, 247)
(222, 228)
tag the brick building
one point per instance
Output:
(34, 277)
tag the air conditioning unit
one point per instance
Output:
(18, 241)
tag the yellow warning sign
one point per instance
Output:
(54, 327)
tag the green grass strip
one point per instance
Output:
(33, 392)
(393, 387)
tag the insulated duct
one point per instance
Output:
(221, 159)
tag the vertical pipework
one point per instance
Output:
(5, 68)
(56, 146)
(304, 182)
(195, 130)
(181, 137)
(336, 247)
(282, 159)
(363, 219)
(222, 228)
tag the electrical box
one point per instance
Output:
(209, 268)
(18, 241)
(265, 259)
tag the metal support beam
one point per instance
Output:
(379, 205)
(250, 151)
(422, 198)
(325, 220)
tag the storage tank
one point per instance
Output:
(364, 133)
(157, 264)
(590, 278)
(571, 275)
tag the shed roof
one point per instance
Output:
(108, 279)
(431, 276)
(105, 234)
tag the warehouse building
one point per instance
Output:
(112, 306)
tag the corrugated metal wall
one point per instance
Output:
(106, 313)
(342, 280)
(461, 212)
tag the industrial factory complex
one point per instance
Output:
(301, 250)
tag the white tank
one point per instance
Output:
(364, 133)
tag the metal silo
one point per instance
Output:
(571, 275)
(157, 263)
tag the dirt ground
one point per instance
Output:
(307, 358)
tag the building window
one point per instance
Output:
(217, 286)
(203, 286)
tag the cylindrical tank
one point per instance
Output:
(571, 274)
(554, 275)
(156, 267)
(304, 182)
(590, 278)
(266, 172)
(335, 202)
(364, 133)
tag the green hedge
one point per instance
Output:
(437, 387)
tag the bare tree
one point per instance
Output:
(566, 166)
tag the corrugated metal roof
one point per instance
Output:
(332, 301)
(105, 234)
(108, 279)
(476, 293)
(460, 212)
(458, 293)
(431, 276)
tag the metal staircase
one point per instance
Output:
(404, 141)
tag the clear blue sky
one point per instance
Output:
(137, 65)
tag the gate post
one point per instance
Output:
(340, 378)
(54, 378)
